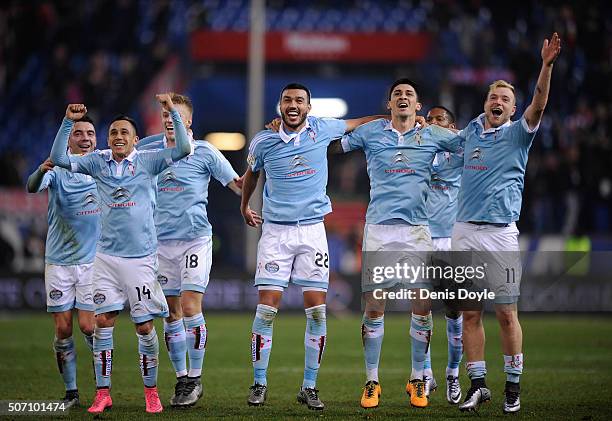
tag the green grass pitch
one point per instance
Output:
(568, 370)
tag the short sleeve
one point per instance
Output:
(219, 166)
(521, 133)
(354, 140)
(447, 140)
(47, 181)
(255, 157)
(84, 164)
(156, 161)
(333, 127)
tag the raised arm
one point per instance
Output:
(353, 123)
(59, 150)
(149, 141)
(249, 182)
(35, 179)
(182, 148)
(550, 52)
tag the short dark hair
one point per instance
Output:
(403, 81)
(128, 119)
(451, 116)
(295, 85)
(85, 119)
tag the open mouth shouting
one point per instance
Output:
(497, 111)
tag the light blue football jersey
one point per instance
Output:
(73, 216)
(182, 190)
(399, 167)
(126, 190)
(296, 170)
(494, 171)
(444, 189)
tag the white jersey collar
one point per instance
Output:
(296, 135)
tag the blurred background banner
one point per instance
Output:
(114, 55)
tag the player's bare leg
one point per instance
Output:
(512, 342)
(473, 346)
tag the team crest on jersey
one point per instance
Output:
(272, 267)
(99, 298)
(417, 138)
(162, 279)
(251, 159)
(55, 294)
(312, 135)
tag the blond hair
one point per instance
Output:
(182, 99)
(500, 84)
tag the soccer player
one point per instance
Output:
(125, 265)
(74, 227)
(399, 155)
(185, 246)
(442, 212)
(495, 158)
(293, 245)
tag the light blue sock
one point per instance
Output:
(148, 348)
(176, 344)
(454, 334)
(372, 334)
(314, 343)
(261, 341)
(420, 332)
(196, 335)
(513, 367)
(103, 355)
(476, 369)
(65, 355)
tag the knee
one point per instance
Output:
(191, 305)
(507, 319)
(472, 319)
(63, 329)
(175, 313)
(144, 328)
(106, 319)
(86, 328)
(374, 314)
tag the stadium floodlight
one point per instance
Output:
(326, 107)
(226, 141)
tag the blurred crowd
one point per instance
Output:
(105, 52)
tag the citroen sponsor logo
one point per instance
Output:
(90, 198)
(299, 166)
(168, 177)
(400, 158)
(121, 197)
(298, 161)
(435, 178)
(402, 161)
(120, 194)
(477, 154)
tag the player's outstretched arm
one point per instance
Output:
(59, 150)
(353, 123)
(35, 179)
(249, 182)
(550, 52)
(182, 148)
(236, 185)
